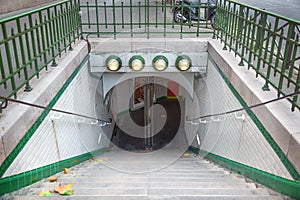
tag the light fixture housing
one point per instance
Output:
(137, 63)
(160, 63)
(113, 63)
(183, 63)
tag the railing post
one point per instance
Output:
(291, 35)
(260, 30)
(240, 30)
(9, 61)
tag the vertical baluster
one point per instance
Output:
(52, 37)
(48, 39)
(114, 18)
(293, 59)
(156, 14)
(131, 31)
(33, 45)
(148, 19)
(27, 46)
(57, 30)
(248, 31)
(105, 15)
(88, 13)
(63, 26)
(252, 39)
(198, 22)
(37, 33)
(15, 52)
(165, 17)
(97, 16)
(236, 32)
(243, 38)
(287, 54)
(276, 67)
(268, 29)
(139, 7)
(122, 7)
(3, 76)
(260, 40)
(77, 19)
(72, 23)
(297, 87)
(266, 86)
(227, 25)
(9, 61)
(44, 50)
(68, 25)
(23, 56)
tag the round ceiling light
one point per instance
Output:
(136, 63)
(113, 63)
(160, 63)
(183, 63)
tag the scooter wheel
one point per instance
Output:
(179, 17)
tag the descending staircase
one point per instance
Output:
(189, 177)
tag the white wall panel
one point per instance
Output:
(236, 139)
(75, 135)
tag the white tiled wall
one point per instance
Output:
(75, 135)
(231, 136)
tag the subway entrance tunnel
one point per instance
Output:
(155, 115)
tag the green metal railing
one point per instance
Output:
(29, 42)
(267, 42)
(137, 17)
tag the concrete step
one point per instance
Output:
(189, 178)
(152, 185)
(132, 179)
(153, 197)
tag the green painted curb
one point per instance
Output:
(285, 161)
(15, 182)
(277, 183)
(12, 156)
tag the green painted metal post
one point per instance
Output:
(9, 61)
(114, 18)
(3, 76)
(97, 17)
(15, 52)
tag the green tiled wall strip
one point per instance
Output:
(279, 184)
(11, 157)
(15, 182)
(293, 172)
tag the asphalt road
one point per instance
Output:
(288, 8)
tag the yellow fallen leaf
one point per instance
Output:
(69, 186)
(66, 171)
(99, 160)
(186, 155)
(52, 179)
(46, 193)
(64, 189)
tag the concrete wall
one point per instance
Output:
(233, 136)
(282, 124)
(16, 5)
(60, 136)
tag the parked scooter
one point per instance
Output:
(190, 10)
